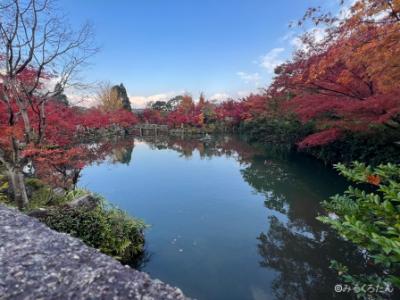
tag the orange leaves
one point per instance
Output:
(201, 119)
(358, 57)
(8, 131)
(380, 53)
(372, 40)
(187, 104)
(374, 179)
(350, 79)
(396, 6)
(345, 77)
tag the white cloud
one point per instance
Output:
(253, 78)
(345, 12)
(79, 97)
(319, 35)
(272, 59)
(297, 43)
(243, 94)
(235, 95)
(138, 101)
(287, 37)
(82, 100)
(220, 96)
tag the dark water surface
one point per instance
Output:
(228, 220)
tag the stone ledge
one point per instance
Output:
(39, 263)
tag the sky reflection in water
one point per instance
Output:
(228, 220)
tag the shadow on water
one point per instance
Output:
(292, 246)
(295, 245)
(139, 261)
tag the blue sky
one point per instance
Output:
(159, 48)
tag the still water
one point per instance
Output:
(228, 220)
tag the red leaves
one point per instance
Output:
(255, 104)
(349, 80)
(320, 138)
(152, 116)
(342, 114)
(122, 117)
(232, 112)
(205, 112)
(62, 122)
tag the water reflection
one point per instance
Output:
(295, 245)
(292, 245)
(229, 146)
(302, 260)
(62, 168)
(122, 152)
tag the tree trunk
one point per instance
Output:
(17, 182)
(26, 120)
(42, 123)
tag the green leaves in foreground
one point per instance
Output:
(106, 228)
(3, 188)
(369, 216)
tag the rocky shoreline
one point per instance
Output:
(39, 263)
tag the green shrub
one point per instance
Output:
(41, 195)
(374, 147)
(369, 216)
(284, 130)
(106, 228)
(3, 189)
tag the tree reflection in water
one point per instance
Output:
(295, 245)
(62, 167)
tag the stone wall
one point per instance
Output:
(39, 263)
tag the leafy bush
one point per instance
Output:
(3, 188)
(281, 130)
(370, 219)
(373, 147)
(41, 195)
(106, 228)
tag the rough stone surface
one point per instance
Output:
(39, 263)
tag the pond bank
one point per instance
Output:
(40, 263)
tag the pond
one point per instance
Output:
(228, 220)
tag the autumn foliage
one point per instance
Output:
(60, 156)
(349, 81)
(346, 82)
(63, 123)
